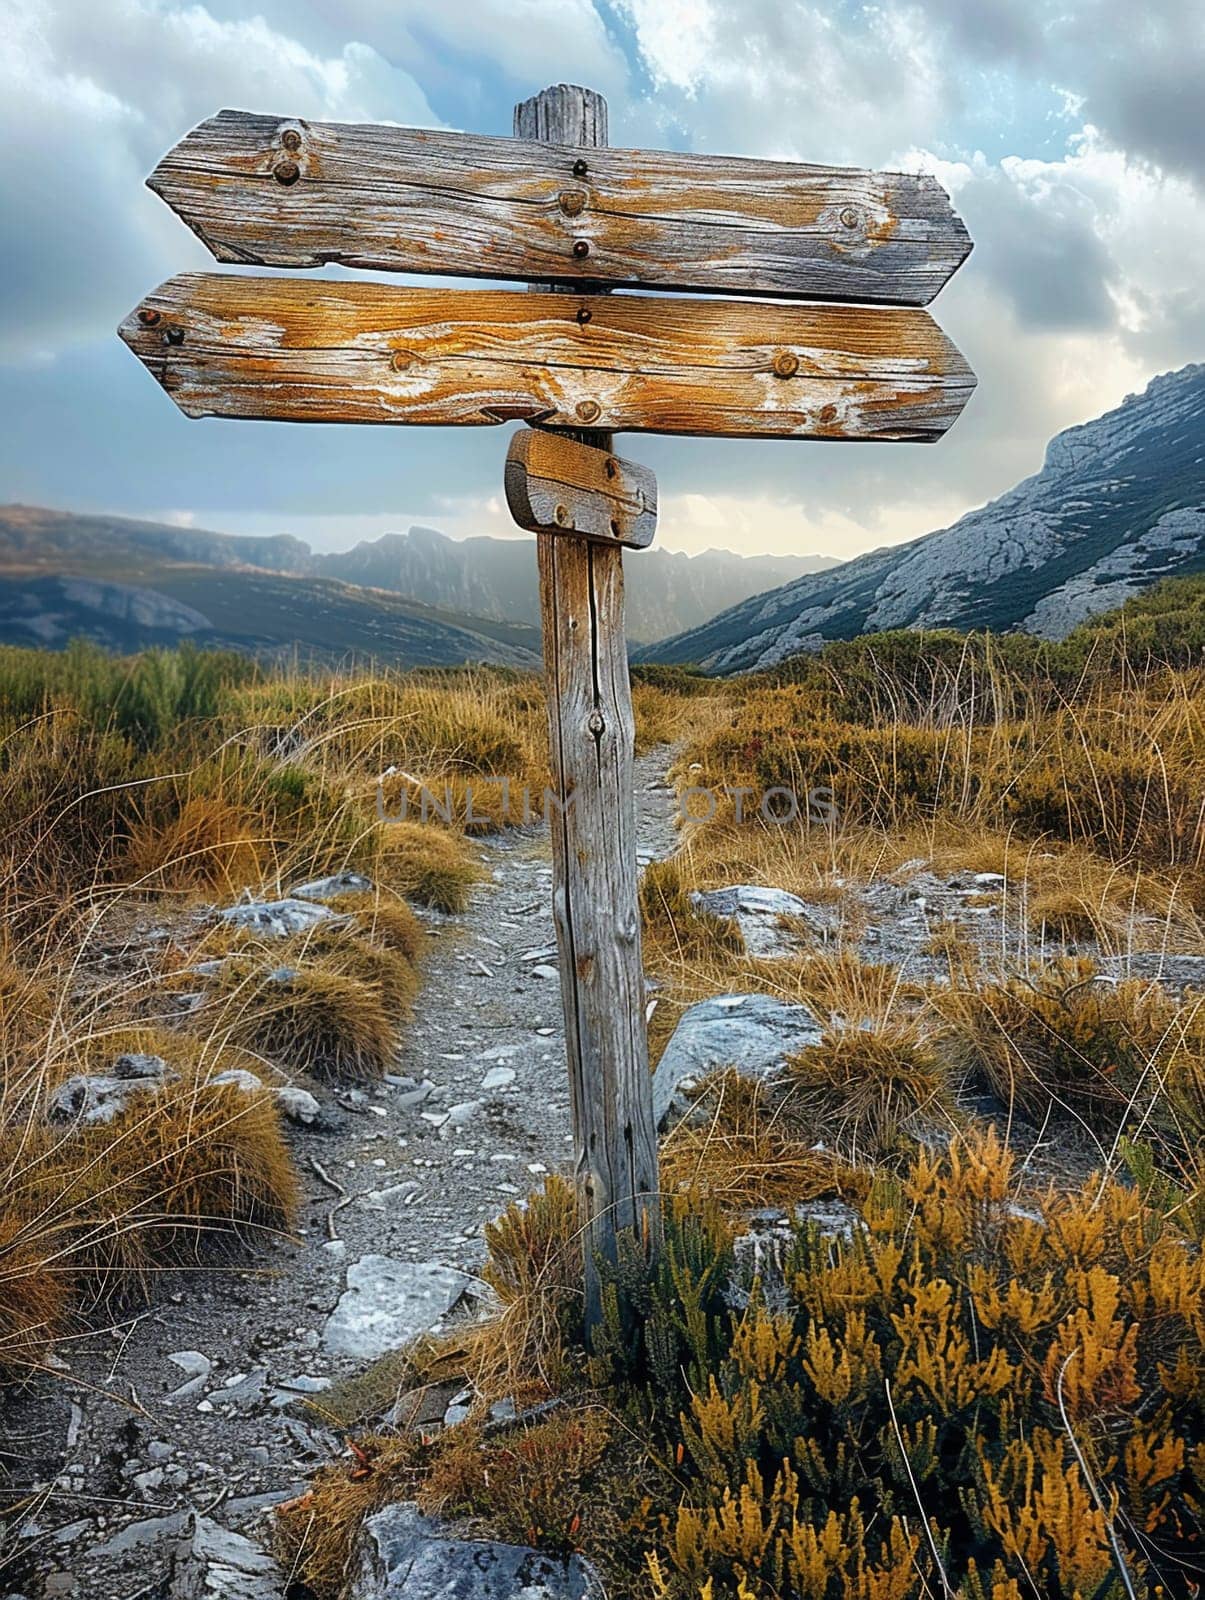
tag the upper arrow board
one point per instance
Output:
(295, 351)
(281, 192)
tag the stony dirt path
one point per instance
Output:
(249, 1343)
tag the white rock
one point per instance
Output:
(331, 888)
(277, 919)
(388, 1303)
(498, 1078)
(395, 1195)
(197, 1368)
(463, 1113)
(237, 1078)
(299, 1105)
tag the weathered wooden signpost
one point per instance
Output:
(557, 208)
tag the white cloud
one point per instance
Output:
(89, 99)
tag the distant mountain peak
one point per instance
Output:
(1119, 503)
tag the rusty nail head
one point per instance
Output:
(612, 467)
(560, 516)
(291, 139)
(148, 316)
(581, 248)
(584, 313)
(580, 168)
(173, 335)
(287, 172)
(572, 202)
(786, 364)
(589, 410)
(849, 217)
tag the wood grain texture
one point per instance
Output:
(557, 485)
(592, 733)
(284, 192)
(290, 350)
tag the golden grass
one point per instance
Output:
(132, 790)
(742, 1148)
(1111, 1059)
(94, 1212)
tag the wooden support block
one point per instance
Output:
(554, 484)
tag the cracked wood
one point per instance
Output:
(290, 350)
(283, 192)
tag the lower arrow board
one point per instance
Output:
(283, 350)
(559, 485)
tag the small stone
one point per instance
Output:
(238, 1078)
(196, 1366)
(543, 971)
(395, 1195)
(331, 888)
(299, 1105)
(463, 1113)
(498, 1078)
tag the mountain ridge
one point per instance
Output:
(493, 579)
(1118, 503)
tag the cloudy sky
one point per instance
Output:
(1068, 131)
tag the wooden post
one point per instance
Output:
(593, 825)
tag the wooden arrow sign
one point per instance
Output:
(292, 351)
(281, 192)
(559, 485)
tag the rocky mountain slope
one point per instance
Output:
(492, 579)
(1119, 503)
(262, 613)
(668, 592)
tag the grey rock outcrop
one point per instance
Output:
(405, 1556)
(277, 919)
(759, 913)
(753, 1033)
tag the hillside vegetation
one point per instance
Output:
(965, 1353)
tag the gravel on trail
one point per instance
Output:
(198, 1402)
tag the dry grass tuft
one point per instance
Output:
(870, 1094)
(535, 1268)
(540, 1485)
(94, 1210)
(742, 1147)
(427, 863)
(316, 1533)
(335, 1016)
(1112, 1059)
(210, 844)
